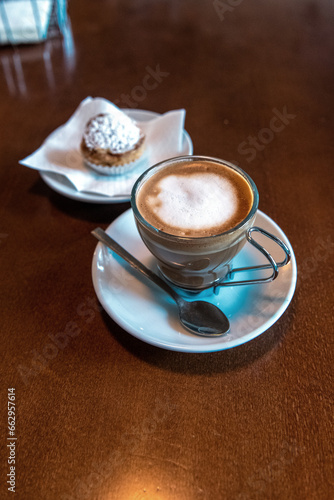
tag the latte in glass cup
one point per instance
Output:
(193, 214)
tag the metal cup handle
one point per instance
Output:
(273, 265)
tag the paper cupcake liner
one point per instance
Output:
(121, 167)
(114, 170)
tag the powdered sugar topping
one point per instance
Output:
(114, 132)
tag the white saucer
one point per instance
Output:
(62, 185)
(149, 314)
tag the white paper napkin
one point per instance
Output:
(60, 152)
(24, 21)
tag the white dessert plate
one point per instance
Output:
(148, 313)
(62, 185)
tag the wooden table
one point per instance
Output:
(107, 416)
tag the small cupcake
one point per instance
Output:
(111, 143)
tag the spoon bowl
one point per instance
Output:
(203, 318)
(199, 317)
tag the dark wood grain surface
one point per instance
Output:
(107, 416)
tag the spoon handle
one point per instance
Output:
(130, 259)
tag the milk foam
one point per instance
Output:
(197, 201)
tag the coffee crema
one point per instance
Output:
(195, 199)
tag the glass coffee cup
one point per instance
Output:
(195, 214)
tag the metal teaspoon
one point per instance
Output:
(199, 317)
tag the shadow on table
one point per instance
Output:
(90, 212)
(206, 363)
